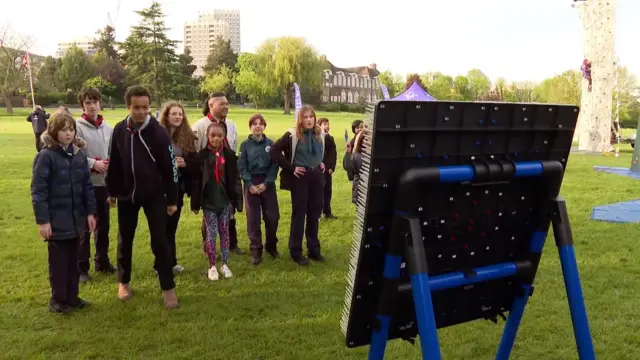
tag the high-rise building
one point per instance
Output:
(199, 35)
(84, 43)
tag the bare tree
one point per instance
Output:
(13, 73)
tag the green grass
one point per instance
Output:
(279, 310)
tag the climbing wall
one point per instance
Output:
(598, 18)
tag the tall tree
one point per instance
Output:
(219, 55)
(111, 71)
(13, 74)
(440, 85)
(479, 83)
(106, 41)
(289, 60)
(462, 88)
(185, 61)
(249, 82)
(217, 81)
(45, 81)
(389, 80)
(186, 87)
(560, 89)
(150, 55)
(75, 69)
(412, 78)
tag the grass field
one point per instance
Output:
(279, 310)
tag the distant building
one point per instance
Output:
(199, 35)
(84, 43)
(350, 85)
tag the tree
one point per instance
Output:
(220, 55)
(560, 89)
(462, 88)
(218, 81)
(45, 80)
(110, 70)
(97, 82)
(289, 60)
(106, 41)
(13, 73)
(440, 85)
(150, 55)
(250, 83)
(185, 61)
(394, 86)
(75, 69)
(479, 83)
(412, 78)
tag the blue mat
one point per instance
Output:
(618, 171)
(623, 212)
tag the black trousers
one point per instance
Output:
(328, 190)
(101, 236)
(306, 203)
(38, 141)
(262, 207)
(172, 228)
(156, 212)
(63, 270)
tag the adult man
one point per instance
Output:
(38, 119)
(217, 110)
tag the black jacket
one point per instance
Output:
(330, 153)
(61, 190)
(282, 153)
(229, 182)
(142, 164)
(38, 120)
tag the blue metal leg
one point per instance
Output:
(424, 315)
(576, 302)
(379, 339)
(513, 323)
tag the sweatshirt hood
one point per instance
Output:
(87, 123)
(145, 123)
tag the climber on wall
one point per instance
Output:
(586, 71)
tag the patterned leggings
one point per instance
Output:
(216, 222)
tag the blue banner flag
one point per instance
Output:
(297, 99)
(346, 135)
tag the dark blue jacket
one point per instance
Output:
(255, 160)
(61, 190)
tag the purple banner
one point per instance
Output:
(385, 92)
(297, 99)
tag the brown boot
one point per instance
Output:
(124, 292)
(170, 299)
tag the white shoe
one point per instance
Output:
(178, 269)
(226, 272)
(213, 274)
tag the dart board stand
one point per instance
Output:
(455, 201)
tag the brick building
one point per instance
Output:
(351, 85)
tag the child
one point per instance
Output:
(259, 175)
(356, 164)
(97, 134)
(142, 174)
(174, 119)
(329, 160)
(63, 203)
(356, 127)
(216, 111)
(299, 153)
(216, 194)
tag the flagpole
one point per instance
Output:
(33, 98)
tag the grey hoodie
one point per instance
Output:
(98, 141)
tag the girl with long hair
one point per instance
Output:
(356, 163)
(299, 153)
(183, 139)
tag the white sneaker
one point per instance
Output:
(213, 274)
(226, 272)
(178, 269)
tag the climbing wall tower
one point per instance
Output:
(598, 17)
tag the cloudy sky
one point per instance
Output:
(516, 39)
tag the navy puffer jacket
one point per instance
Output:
(61, 189)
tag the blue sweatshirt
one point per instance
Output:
(254, 160)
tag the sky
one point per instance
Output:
(515, 39)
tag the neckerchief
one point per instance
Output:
(98, 121)
(219, 162)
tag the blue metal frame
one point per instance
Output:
(422, 285)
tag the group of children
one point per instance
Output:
(85, 167)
